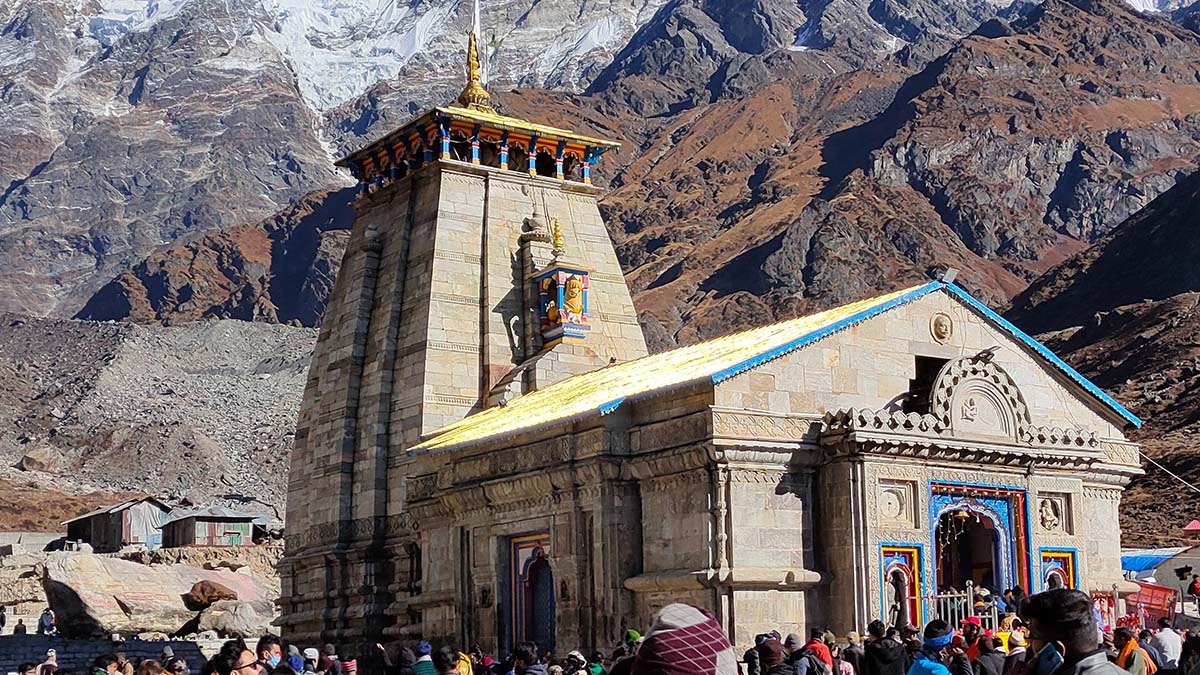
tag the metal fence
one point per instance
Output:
(954, 606)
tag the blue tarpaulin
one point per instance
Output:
(1145, 559)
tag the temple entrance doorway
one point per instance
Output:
(968, 545)
(539, 616)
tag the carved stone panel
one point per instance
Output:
(1054, 513)
(975, 397)
(896, 504)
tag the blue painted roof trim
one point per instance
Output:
(824, 332)
(611, 405)
(1044, 352)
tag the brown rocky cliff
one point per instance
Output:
(793, 182)
(279, 270)
(1126, 313)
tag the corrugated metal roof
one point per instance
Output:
(215, 513)
(116, 508)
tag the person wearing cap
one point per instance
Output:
(770, 657)
(938, 639)
(801, 660)
(311, 656)
(972, 628)
(294, 660)
(854, 652)
(575, 664)
(329, 662)
(28, 668)
(176, 666)
(1016, 652)
(424, 663)
(350, 666)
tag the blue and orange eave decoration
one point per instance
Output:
(431, 136)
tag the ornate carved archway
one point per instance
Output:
(974, 396)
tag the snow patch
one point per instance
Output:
(605, 33)
(120, 17)
(339, 48)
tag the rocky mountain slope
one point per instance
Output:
(129, 124)
(759, 180)
(280, 270)
(1126, 312)
(194, 411)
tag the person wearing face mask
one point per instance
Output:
(1062, 635)
(269, 651)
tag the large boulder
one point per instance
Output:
(234, 619)
(46, 459)
(93, 595)
(204, 593)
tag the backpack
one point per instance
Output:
(815, 665)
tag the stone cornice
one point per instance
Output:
(735, 578)
(855, 431)
(761, 426)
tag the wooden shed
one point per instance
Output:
(211, 526)
(130, 523)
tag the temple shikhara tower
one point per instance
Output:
(486, 453)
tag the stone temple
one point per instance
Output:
(486, 454)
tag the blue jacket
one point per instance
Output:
(924, 664)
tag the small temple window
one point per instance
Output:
(571, 168)
(920, 388)
(518, 159)
(489, 154)
(545, 164)
(460, 147)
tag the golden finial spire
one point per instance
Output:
(557, 250)
(474, 96)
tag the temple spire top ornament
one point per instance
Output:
(474, 96)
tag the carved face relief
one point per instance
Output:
(941, 327)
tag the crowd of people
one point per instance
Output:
(1053, 633)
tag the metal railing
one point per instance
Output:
(954, 606)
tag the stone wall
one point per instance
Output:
(869, 365)
(77, 655)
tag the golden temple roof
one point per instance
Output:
(602, 391)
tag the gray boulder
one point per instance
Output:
(46, 459)
(234, 618)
